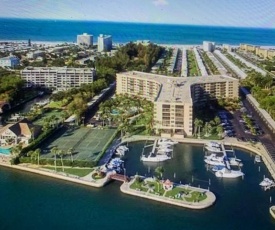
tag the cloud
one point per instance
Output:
(160, 2)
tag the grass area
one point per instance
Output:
(53, 112)
(188, 195)
(74, 171)
(192, 64)
(177, 190)
(137, 185)
(196, 197)
(156, 187)
(211, 137)
(55, 105)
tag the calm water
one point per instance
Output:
(51, 30)
(31, 201)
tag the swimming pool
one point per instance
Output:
(5, 151)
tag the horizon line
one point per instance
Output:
(133, 22)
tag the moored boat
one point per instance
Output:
(155, 157)
(164, 141)
(213, 147)
(227, 173)
(266, 182)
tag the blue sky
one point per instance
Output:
(241, 13)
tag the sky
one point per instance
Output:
(239, 13)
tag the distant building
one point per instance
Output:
(10, 61)
(58, 77)
(259, 51)
(29, 42)
(85, 40)
(208, 46)
(227, 47)
(35, 54)
(104, 43)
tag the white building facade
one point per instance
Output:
(10, 61)
(104, 43)
(59, 78)
(208, 46)
(85, 39)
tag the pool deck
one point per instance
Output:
(209, 201)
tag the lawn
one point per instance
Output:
(138, 186)
(156, 187)
(188, 195)
(74, 171)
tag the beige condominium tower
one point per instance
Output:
(174, 97)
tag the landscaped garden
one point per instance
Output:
(81, 172)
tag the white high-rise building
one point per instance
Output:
(85, 39)
(208, 46)
(104, 43)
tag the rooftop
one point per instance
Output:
(177, 89)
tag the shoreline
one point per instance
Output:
(178, 45)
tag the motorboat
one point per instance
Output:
(235, 161)
(123, 147)
(267, 182)
(258, 159)
(227, 173)
(164, 151)
(155, 157)
(217, 168)
(213, 159)
(115, 163)
(165, 148)
(164, 141)
(213, 147)
(120, 152)
(272, 211)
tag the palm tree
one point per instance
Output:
(54, 151)
(30, 154)
(70, 152)
(61, 153)
(219, 130)
(200, 123)
(38, 153)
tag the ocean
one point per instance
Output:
(66, 31)
(30, 201)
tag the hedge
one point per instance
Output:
(50, 161)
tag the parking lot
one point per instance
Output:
(235, 125)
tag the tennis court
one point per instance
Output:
(86, 143)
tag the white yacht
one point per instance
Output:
(155, 157)
(123, 147)
(164, 141)
(213, 147)
(267, 182)
(235, 161)
(227, 173)
(214, 160)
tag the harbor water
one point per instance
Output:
(32, 201)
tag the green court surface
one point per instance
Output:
(86, 143)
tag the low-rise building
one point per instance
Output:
(174, 97)
(20, 132)
(60, 78)
(36, 54)
(261, 52)
(11, 61)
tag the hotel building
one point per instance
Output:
(104, 43)
(61, 78)
(85, 40)
(174, 97)
(10, 61)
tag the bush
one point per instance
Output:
(50, 161)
